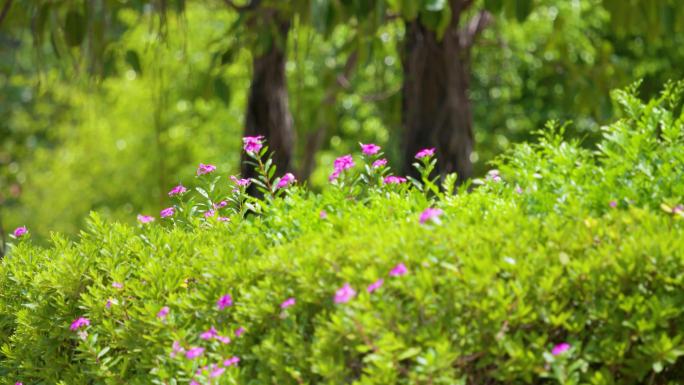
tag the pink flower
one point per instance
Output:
(677, 209)
(613, 204)
(203, 169)
(176, 349)
(222, 339)
(231, 361)
(223, 219)
(369, 149)
(322, 214)
(430, 214)
(375, 285)
(252, 143)
(163, 312)
(398, 270)
(216, 371)
(560, 348)
(194, 353)
(239, 331)
(108, 305)
(209, 213)
(145, 218)
(167, 212)
(20, 231)
(287, 303)
(391, 179)
(426, 152)
(240, 182)
(380, 163)
(79, 323)
(193, 382)
(221, 205)
(494, 176)
(209, 334)
(344, 294)
(18, 383)
(286, 180)
(344, 162)
(335, 174)
(224, 302)
(117, 285)
(178, 190)
(518, 189)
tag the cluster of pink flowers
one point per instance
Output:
(79, 323)
(344, 162)
(287, 303)
(145, 218)
(370, 149)
(204, 169)
(224, 302)
(425, 153)
(178, 190)
(392, 179)
(560, 348)
(252, 144)
(167, 212)
(380, 163)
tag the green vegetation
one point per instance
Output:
(565, 266)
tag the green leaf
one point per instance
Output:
(493, 6)
(523, 8)
(133, 59)
(222, 90)
(435, 5)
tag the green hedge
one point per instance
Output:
(562, 246)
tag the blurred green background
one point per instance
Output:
(114, 130)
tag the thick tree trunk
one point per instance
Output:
(268, 112)
(437, 112)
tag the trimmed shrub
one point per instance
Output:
(566, 266)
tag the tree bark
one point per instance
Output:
(437, 111)
(268, 111)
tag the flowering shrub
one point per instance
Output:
(529, 276)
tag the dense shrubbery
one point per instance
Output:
(566, 266)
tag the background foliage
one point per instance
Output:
(174, 95)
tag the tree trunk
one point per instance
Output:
(268, 112)
(437, 111)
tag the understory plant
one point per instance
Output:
(561, 266)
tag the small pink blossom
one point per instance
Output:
(117, 285)
(145, 218)
(494, 176)
(108, 305)
(370, 149)
(18, 383)
(223, 339)
(335, 174)
(560, 348)
(163, 312)
(20, 231)
(426, 152)
(344, 162)
(240, 182)
(79, 323)
(231, 361)
(216, 371)
(223, 219)
(209, 213)
(167, 212)
(398, 270)
(375, 285)
(677, 209)
(322, 214)
(194, 353)
(178, 190)
(380, 163)
(286, 180)
(344, 294)
(193, 382)
(252, 144)
(209, 334)
(176, 349)
(287, 303)
(224, 302)
(203, 169)
(391, 179)
(430, 214)
(518, 190)
(239, 331)
(613, 204)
